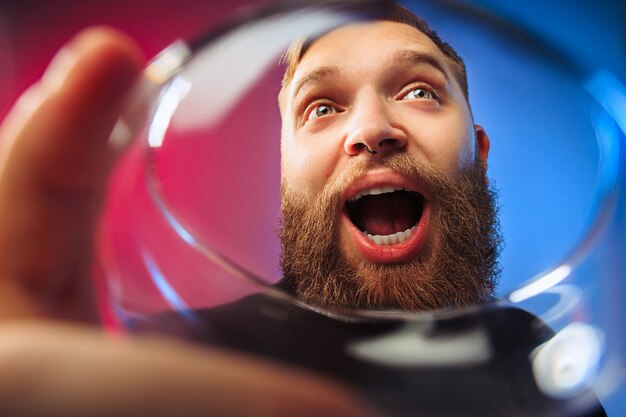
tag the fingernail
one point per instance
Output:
(121, 135)
(59, 68)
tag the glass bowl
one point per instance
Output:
(189, 243)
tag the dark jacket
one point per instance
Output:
(477, 364)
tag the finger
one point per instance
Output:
(53, 165)
(65, 371)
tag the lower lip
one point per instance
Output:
(400, 252)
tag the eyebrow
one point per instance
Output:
(314, 77)
(407, 57)
(410, 57)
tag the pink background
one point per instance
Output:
(32, 31)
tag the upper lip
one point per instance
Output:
(381, 178)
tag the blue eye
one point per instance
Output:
(419, 94)
(321, 110)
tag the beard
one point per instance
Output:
(458, 266)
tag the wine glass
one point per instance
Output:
(189, 244)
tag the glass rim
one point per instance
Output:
(598, 83)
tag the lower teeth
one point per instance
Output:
(394, 239)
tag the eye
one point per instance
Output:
(320, 110)
(419, 93)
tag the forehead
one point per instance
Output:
(360, 47)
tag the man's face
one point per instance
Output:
(376, 131)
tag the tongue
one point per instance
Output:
(386, 214)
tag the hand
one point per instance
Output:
(54, 163)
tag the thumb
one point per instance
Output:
(54, 161)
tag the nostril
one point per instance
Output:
(389, 141)
(358, 147)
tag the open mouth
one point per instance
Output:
(386, 215)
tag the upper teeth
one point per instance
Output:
(375, 191)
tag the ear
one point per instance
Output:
(482, 143)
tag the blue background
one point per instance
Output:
(527, 66)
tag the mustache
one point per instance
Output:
(401, 163)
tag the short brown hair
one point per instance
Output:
(390, 12)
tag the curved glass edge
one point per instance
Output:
(166, 71)
(606, 200)
(611, 95)
(581, 354)
(578, 346)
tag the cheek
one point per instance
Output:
(305, 166)
(447, 143)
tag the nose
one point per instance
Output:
(373, 129)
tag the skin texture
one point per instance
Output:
(365, 89)
(54, 162)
